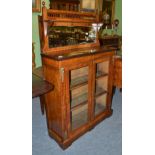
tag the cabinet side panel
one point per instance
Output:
(117, 79)
(110, 83)
(53, 100)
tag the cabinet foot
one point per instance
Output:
(65, 146)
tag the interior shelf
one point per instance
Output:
(77, 82)
(79, 101)
(100, 91)
(83, 99)
(101, 74)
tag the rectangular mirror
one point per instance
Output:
(59, 36)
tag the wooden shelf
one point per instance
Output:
(78, 82)
(79, 101)
(100, 91)
(100, 74)
(83, 99)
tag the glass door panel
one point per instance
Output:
(79, 97)
(79, 116)
(101, 87)
(102, 69)
(100, 104)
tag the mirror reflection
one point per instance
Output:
(64, 35)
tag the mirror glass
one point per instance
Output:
(64, 36)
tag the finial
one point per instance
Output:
(43, 3)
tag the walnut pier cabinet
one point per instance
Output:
(82, 78)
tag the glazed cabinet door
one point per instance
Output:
(101, 85)
(78, 94)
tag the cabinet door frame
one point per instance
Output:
(109, 87)
(67, 77)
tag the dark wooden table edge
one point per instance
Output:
(41, 87)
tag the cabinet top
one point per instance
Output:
(68, 54)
